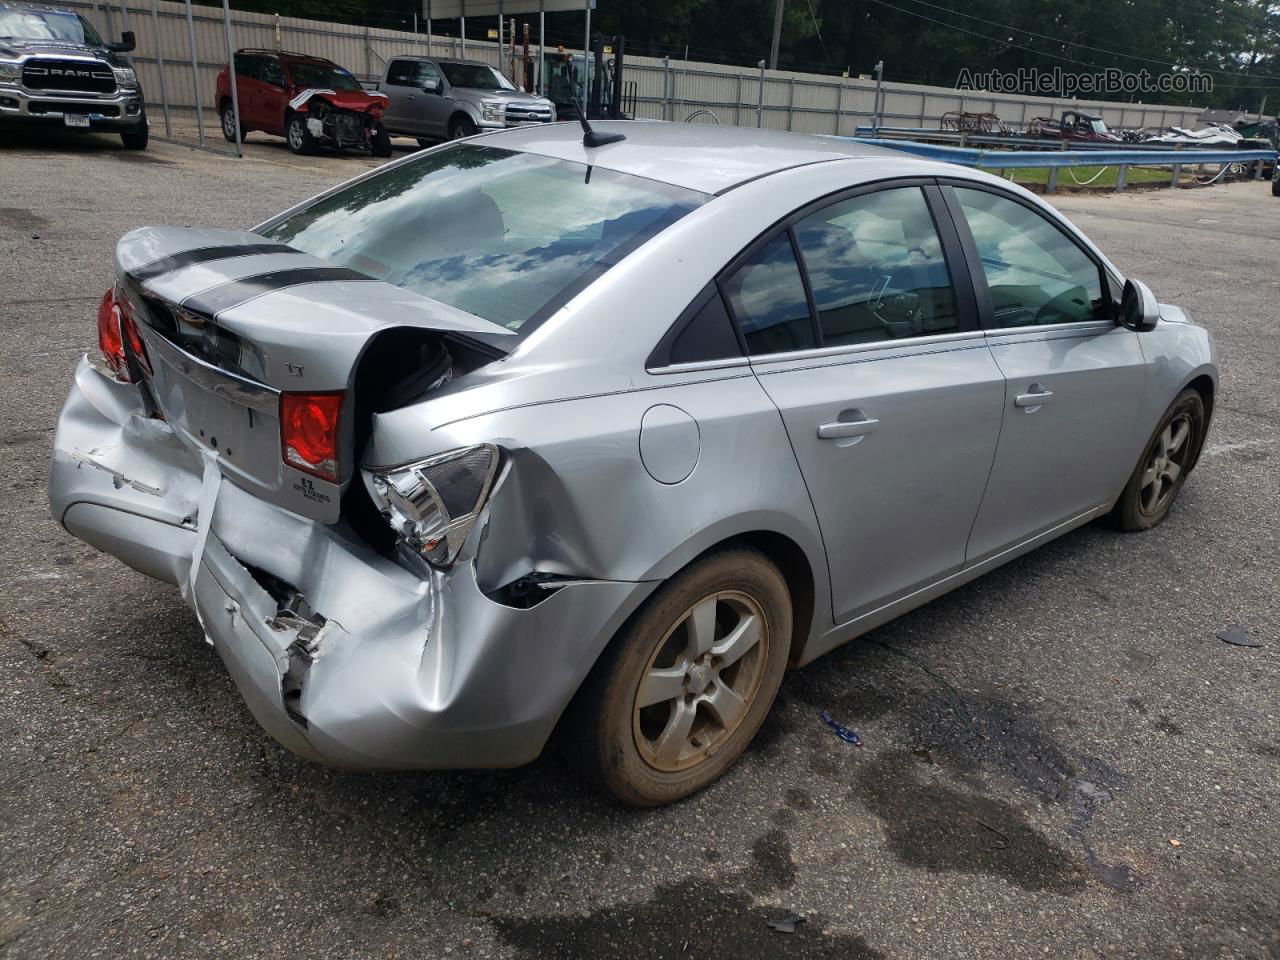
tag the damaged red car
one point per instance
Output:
(310, 101)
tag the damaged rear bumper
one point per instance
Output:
(341, 654)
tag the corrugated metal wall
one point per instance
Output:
(806, 103)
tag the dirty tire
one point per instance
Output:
(380, 142)
(646, 754)
(227, 117)
(1275, 186)
(298, 136)
(460, 127)
(1160, 473)
(139, 137)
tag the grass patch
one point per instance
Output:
(1106, 180)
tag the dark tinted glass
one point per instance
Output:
(400, 72)
(499, 234)
(1037, 275)
(767, 297)
(876, 269)
(272, 72)
(322, 76)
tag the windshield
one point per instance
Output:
(476, 76)
(505, 236)
(322, 76)
(1097, 126)
(47, 25)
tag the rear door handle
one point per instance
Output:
(840, 429)
(1035, 397)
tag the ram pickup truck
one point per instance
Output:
(434, 99)
(56, 70)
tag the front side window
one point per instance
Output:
(425, 75)
(876, 268)
(1036, 273)
(503, 235)
(766, 295)
(322, 76)
(271, 72)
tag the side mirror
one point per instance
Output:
(431, 86)
(127, 42)
(1138, 308)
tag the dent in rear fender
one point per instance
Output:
(576, 499)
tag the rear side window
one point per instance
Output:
(876, 268)
(766, 294)
(503, 235)
(249, 67)
(1036, 273)
(400, 73)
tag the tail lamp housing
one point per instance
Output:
(116, 326)
(433, 504)
(310, 425)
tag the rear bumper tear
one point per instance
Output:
(341, 654)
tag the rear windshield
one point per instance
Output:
(503, 235)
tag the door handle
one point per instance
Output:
(840, 429)
(1035, 396)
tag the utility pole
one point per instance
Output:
(777, 36)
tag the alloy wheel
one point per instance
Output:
(295, 135)
(1166, 463)
(700, 681)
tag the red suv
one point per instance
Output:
(307, 100)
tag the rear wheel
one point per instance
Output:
(138, 137)
(380, 142)
(684, 688)
(461, 126)
(228, 116)
(1275, 185)
(1162, 470)
(298, 136)
(423, 142)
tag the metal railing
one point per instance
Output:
(1055, 160)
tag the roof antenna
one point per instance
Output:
(589, 137)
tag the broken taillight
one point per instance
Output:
(433, 504)
(115, 326)
(309, 424)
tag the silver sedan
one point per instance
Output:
(537, 435)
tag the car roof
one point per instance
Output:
(283, 54)
(701, 157)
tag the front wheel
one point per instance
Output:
(1275, 186)
(461, 126)
(683, 689)
(380, 142)
(138, 137)
(298, 136)
(1169, 455)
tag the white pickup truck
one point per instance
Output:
(434, 99)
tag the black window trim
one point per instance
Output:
(977, 273)
(660, 358)
(948, 238)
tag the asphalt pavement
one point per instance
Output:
(1060, 759)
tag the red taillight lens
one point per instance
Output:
(309, 432)
(110, 339)
(115, 325)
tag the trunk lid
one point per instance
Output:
(232, 320)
